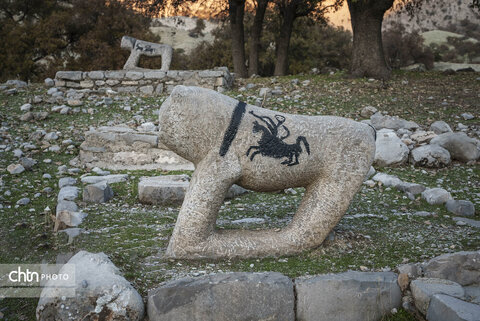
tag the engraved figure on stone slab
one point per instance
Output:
(231, 142)
(139, 47)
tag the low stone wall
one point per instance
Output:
(148, 82)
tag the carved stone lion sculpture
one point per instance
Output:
(262, 150)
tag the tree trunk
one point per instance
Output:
(236, 10)
(283, 42)
(256, 34)
(368, 59)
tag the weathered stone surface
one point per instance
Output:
(460, 146)
(424, 288)
(430, 156)
(411, 188)
(97, 193)
(109, 179)
(69, 75)
(64, 205)
(49, 82)
(147, 90)
(232, 296)
(232, 143)
(461, 267)
(440, 127)
(436, 196)
(67, 181)
(171, 189)
(68, 193)
(155, 74)
(421, 136)
(115, 74)
(66, 219)
(124, 148)
(461, 207)
(467, 221)
(444, 307)
(390, 150)
(101, 293)
(412, 270)
(391, 122)
(96, 75)
(133, 75)
(349, 296)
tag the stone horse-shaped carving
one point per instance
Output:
(139, 47)
(232, 142)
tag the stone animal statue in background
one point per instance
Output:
(262, 150)
(140, 47)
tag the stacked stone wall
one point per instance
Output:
(147, 82)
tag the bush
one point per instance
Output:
(75, 35)
(403, 49)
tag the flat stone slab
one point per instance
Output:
(109, 179)
(171, 189)
(424, 288)
(225, 296)
(350, 296)
(444, 307)
(467, 221)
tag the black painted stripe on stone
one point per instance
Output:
(233, 127)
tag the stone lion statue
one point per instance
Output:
(231, 142)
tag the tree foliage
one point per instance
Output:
(41, 37)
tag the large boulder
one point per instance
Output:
(430, 156)
(390, 150)
(350, 296)
(460, 207)
(461, 267)
(460, 146)
(225, 296)
(100, 292)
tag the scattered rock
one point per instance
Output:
(264, 92)
(461, 267)
(440, 127)
(27, 116)
(430, 156)
(100, 292)
(66, 219)
(97, 193)
(467, 116)
(26, 107)
(23, 201)
(15, 169)
(444, 307)
(347, 296)
(50, 136)
(387, 180)
(461, 207)
(368, 111)
(460, 146)
(436, 196)
(379, 121)
(49, 82)
(27, 162)
(411, 188)
(467, 221)
(422, 137)
(390, 150)
(64, 205)
(232, 296)
(424, 288)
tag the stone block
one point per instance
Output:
(134, 75)
(60, 83)
(129, 83)
(424, 288)
(69, 75)
(97, 193)
(112, 82)
(99, 82)
(446, 308)
(210, 73)
(72, 84)
(350, 296)
(96, 75)
(126, 89)
(109, 179)
(115, 74)
(159, 88)
(220, 297)
(155, 74)
(86, 84)
(147, 90)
